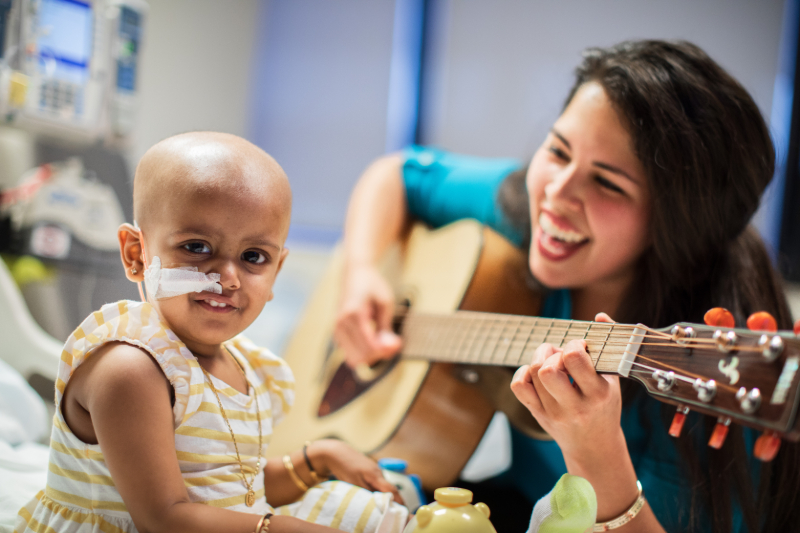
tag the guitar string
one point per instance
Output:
(667, 366)
(566, 330)
(688, 343)
(720, 385)
(553, 328)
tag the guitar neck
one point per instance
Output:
(508, 340)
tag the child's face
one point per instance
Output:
(590, 199)
(239, 235)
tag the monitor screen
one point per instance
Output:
(65, 39)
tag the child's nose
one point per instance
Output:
(229, 275)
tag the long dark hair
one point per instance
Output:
(708, 157)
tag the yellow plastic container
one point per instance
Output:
(452, 513)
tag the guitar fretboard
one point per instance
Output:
(508, 340)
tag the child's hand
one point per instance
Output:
(332, 457)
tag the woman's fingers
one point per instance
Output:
(602, 317)
(523, 389)
(543, 354)
(556, 382)
(580, 366)
(362, 343)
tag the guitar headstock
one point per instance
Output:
(748, 376)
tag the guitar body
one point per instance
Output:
(433, 415)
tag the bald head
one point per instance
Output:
(209, 165)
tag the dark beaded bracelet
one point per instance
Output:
(316, 477)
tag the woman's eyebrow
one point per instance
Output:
(615, 170)
(560, 137)
(599, 164)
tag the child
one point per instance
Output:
(163, 414)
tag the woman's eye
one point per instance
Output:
(254, 257)
(609, 185)
(559, 153)
(197, 248)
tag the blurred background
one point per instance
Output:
(325, 87)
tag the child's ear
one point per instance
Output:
(281, 259)
(130, 251)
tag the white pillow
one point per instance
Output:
(23, 414)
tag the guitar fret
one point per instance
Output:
(444, 340)
(504, 341)
(603, 349)
(525, 344)
(475, 334)
(564, 338)
(461, 332)
(512, 342)
(493, 342)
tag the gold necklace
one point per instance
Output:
(250, 497)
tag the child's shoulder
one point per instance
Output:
(134, 344)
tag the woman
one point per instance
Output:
(637, 205)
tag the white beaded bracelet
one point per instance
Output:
(625, 517)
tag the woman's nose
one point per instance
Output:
(565, 187)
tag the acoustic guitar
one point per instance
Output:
(469, 321)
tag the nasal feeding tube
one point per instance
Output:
(168, 282)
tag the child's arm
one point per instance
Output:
(330, 457)
(128, 399)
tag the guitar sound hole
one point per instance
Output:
(346, 387)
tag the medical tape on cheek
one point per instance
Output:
(168, 282)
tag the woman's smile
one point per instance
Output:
(555, 239)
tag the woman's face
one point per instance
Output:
(590, 200)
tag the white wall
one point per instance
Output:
(320, 94)
(501, 69)
(195, 69)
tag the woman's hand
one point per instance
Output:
(364, 322)
(583, 416)
(331, 457)
(578, 414)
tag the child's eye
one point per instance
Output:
(197, 248)
(609, 185)
(251, 256)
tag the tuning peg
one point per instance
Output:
(720, 432)
(762, 321)
(767, 446)
(797, 328)
(677, 421)
(719, 316)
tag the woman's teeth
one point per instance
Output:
(214, 303)
(556, 232)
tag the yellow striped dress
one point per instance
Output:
(80, 495)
